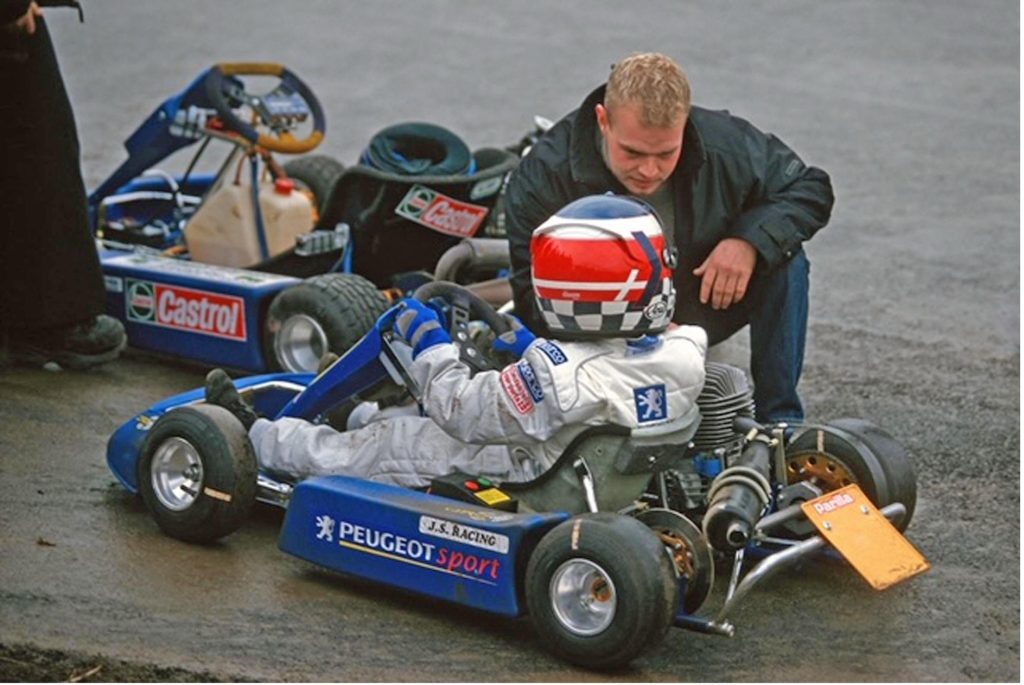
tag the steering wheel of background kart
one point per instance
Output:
(289, 102)
(464, 306)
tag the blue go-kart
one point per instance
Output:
(615, 543)
(262, 266)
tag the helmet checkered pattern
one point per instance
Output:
(600, 269)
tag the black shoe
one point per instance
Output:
(78, 346)
(221, 391)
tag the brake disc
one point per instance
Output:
(689, 550)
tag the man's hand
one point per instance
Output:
(27, 22)
(726, 273)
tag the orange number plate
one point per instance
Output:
(865, 538)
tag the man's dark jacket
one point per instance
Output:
(732, 180)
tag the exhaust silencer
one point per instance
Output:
(738, 496)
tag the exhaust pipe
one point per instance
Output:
(740, 493)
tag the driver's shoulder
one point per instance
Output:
(562, 359)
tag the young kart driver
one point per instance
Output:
(602, 278)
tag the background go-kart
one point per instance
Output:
(913, 107)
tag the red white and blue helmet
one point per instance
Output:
(601, 268)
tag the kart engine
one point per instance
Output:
(726, 395)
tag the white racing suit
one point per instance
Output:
(509, 425)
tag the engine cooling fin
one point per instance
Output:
(726, 394)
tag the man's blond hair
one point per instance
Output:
(653, 81)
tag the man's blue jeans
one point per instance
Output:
(775, 306)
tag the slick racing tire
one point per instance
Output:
(317, 174)
(600, 590)
(326, 313)
(849, 450)
(197, 474)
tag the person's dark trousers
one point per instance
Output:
(775, 306)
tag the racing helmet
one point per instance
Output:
(601, 268)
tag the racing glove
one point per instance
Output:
(516, 339)
(419, 325)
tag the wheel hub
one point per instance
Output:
(300, 343)
(176, 473)
(583, 597)
(820, 468)
(682, 557)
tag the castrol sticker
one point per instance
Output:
(185, 309)
(441, 213)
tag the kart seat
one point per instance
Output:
(393, 230)
(620, 463)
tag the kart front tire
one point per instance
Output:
(600, 590)
(876, 461)
(197, 474)
(326, 313)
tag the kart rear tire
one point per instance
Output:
(878, 463)
(600, 590)
(197, 474)
(317, 174)
(326, 313)
(895, 461)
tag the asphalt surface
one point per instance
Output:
(913, 108)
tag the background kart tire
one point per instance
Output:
(600, 590)
(878, 463)
(317, 174)
(197, 474)
(330, 312)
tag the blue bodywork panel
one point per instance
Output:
(207, 313)
(124, 449)
(427, 544)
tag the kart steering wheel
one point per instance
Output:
(290, 101)
(466, 306)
